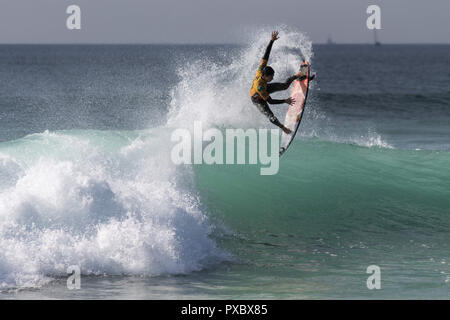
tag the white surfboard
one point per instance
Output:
(295, 112)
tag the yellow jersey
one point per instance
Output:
(259, 86)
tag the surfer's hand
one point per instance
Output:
(290, 101)
(274, 36)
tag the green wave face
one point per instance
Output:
(328, 181)
(334, 209)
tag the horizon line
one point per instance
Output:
(213, 43)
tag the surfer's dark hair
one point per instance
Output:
(268, 71)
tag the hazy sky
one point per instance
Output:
(220, 21)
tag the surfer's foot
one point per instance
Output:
(286, 130)
(300, 75)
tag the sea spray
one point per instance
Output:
(217, 94)
(111, 209)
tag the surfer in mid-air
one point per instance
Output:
(261, 88)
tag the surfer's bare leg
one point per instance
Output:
(286, 130)
(277, 122)
(264, 108)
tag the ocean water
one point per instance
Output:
(86, 177)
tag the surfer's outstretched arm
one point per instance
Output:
(275, 101)
(278, 101)
(269, 46)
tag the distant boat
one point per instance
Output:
(330, 40)
(375, 38)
